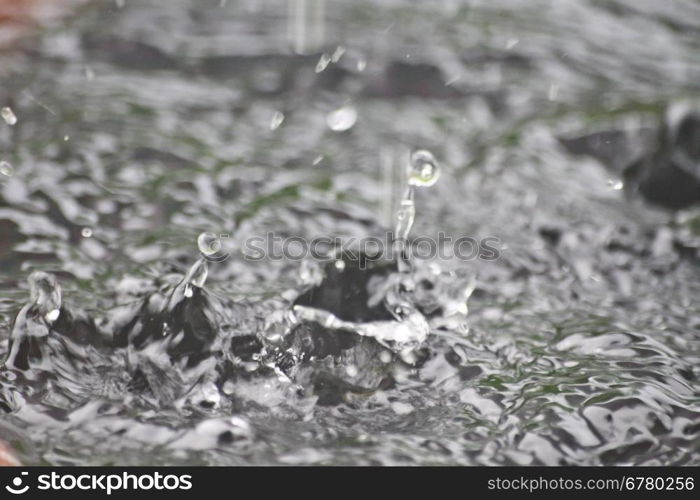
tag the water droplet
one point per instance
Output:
(512, 42)
(89, 74)
(86, 232)
(276, 120)
(351, 370)
(615, 184)
(323, 62)
(553, 92)
(208, 243)
(385, 357)
(361, 65)
(8, 115)
(317, 160)
(340, 265)
(6, 168)
(339, 51)
(424, 169)
(66, 138)
(342, 119)
(120, 3)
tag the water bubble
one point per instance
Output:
(6, 168)
(424, 169)
(208, 243)
(342, 119)
(86, 232)
(276, 120)
(8, 115)
(339, 51)
(323, 62)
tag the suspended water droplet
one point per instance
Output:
(323, 62)
(208, 243)
(424, 169)
(276, 120)
(615, 184)
(86, 232)
(8, 115)
(6, 168)
(342, 119)
(339, 51)
(45, 293)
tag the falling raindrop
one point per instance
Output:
(361, 65)
(342, 119)
(66, 138)
(512, 42)
(276, 121)
(8, 115)
(553, 92)
(120, 3)
(323, 62)
(6, 168)
(89, 74)
(86, 232)
(424, 169)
